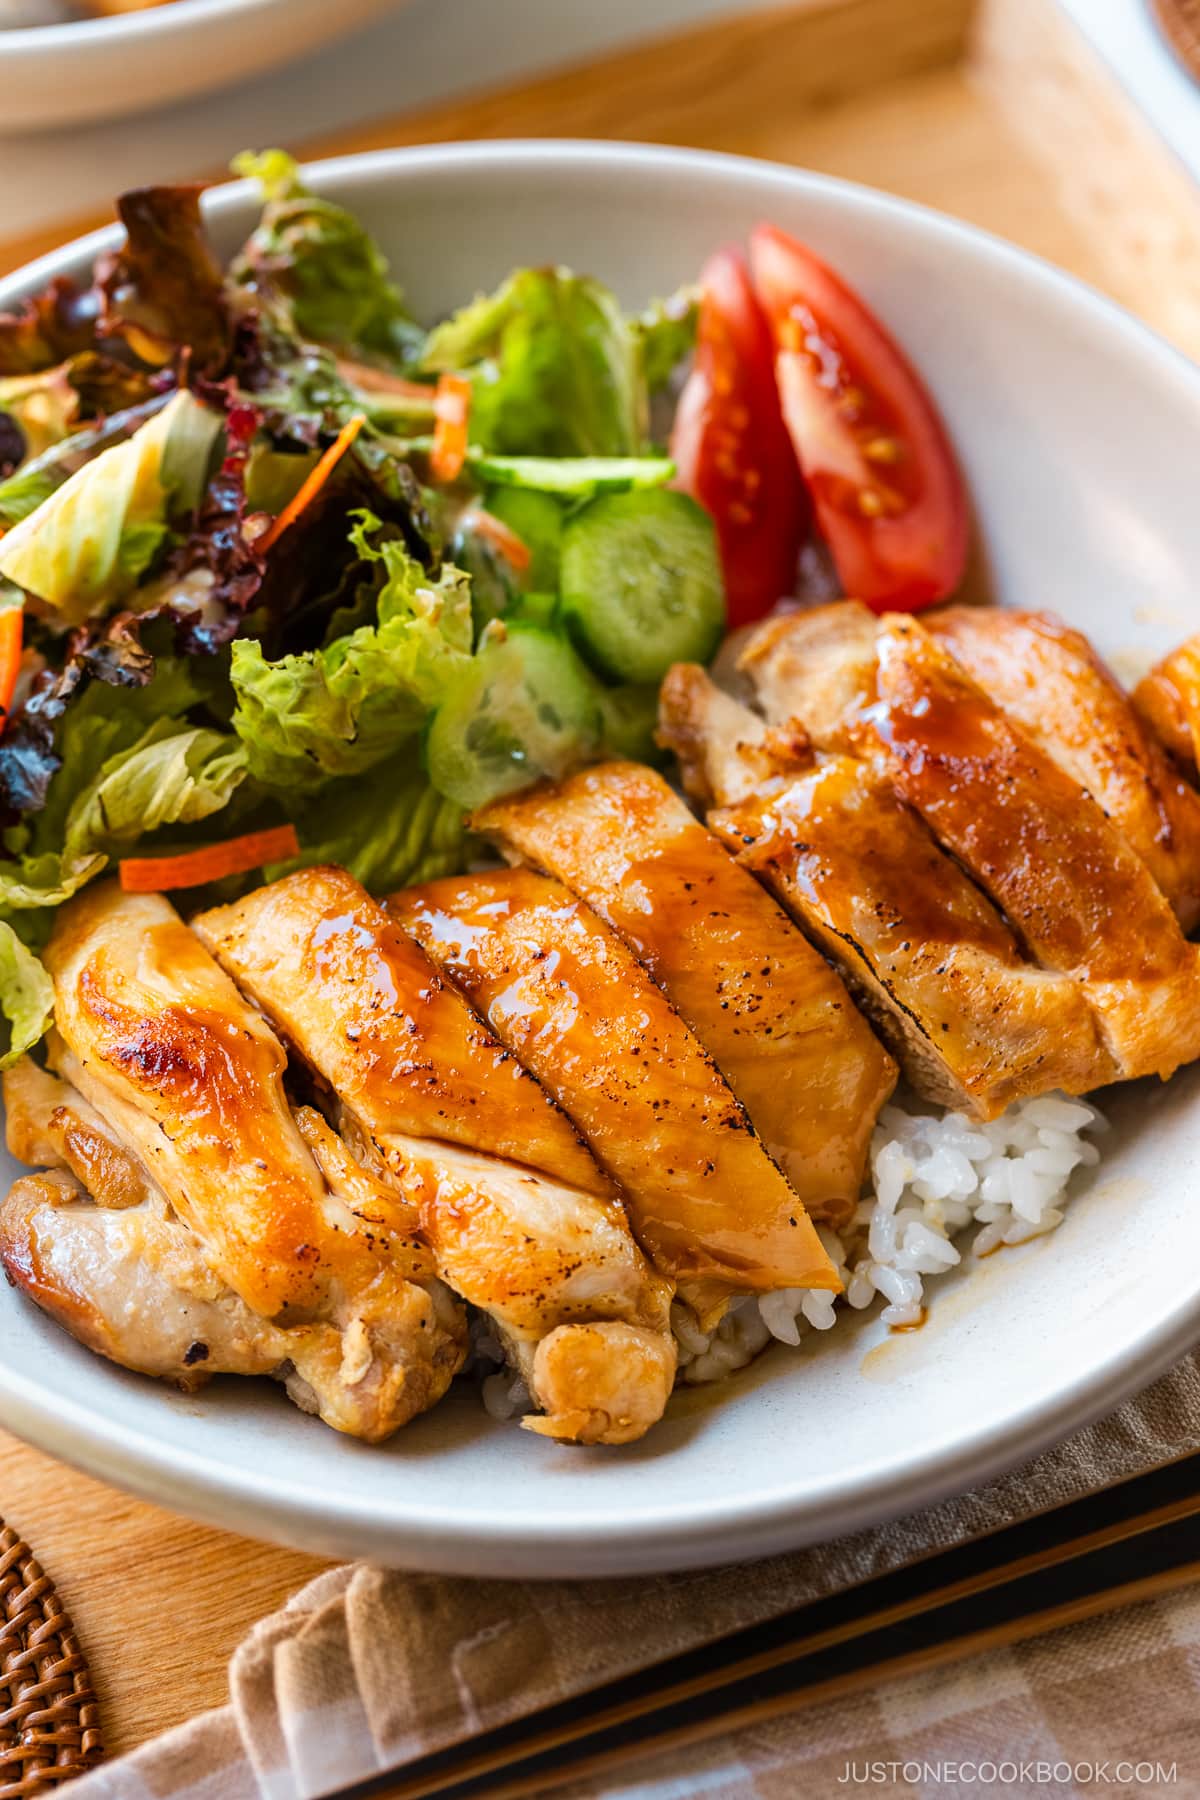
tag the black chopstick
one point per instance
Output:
(1118, 1574)
(1005, 1558)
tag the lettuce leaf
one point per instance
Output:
(50, 405)
(340, 709)
(26, 995)
(39, 476)
(85, 548)
(175, 774)
(215, 576)
(71, 723)
(312, 261)
(163, 292)
(554, 365)
(44, 407)
(49, 326)
(309, 577)
(388, 830)
(665, 332)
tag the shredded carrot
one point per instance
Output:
(500, 536)
(314, 481)
(12, 626)
(452, 412)
(379, 381)
(156, 874)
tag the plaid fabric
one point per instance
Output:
(1111, 1707)
(366, 1670)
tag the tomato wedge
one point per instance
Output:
(731, 446)
(888, 495)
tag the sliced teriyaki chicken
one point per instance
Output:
(1168, 699)
(189, 1079)
(1081, 901)
(49, 1124)
(132, 1283)
(96, 1244)
(327, 964)
(561, 990)
(1050, 681)
(774, 1016)
(815, 671)
(423, 1091)
(974, 1025)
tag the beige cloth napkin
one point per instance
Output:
(366, 1670)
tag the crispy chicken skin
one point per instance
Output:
(1051, 683)
(711, 1209)
(398, 1046)
(160, 1043)
(543, 1257)
(1168, 701)
(133, 1283)
(1079, 898)
(975, 1026)
(773, 1015)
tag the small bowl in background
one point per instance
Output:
(98, 68)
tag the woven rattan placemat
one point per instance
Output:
(49, 1726)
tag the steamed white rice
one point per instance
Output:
(931, 1177)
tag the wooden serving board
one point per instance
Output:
(993, 110)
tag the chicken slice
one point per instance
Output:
(1051, 683)
(815, 670)
(132, 1284)
(160, 1043)
(1168, 701)
(544, 1258)
(725, 752)
(398, 1046)
(49, 1123)
(767, 1007)
(712, 1210)
(975, 1027)
(557, 1271)
(1080, 900)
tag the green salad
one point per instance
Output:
(286, 573)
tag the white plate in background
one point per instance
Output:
(1078, 431)
(102, 68)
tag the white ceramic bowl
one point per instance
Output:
(1078, 431)
(104, 68)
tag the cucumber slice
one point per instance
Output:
(537, 519)
(641, 584)
(628, 718)
(538, 609)
(525, 708)
(494, 586)
(574, 477)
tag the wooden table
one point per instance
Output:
(929, 98)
